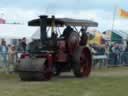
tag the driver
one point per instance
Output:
(67, 31)
(84, 36)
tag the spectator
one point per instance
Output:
(116, 53)
(4, 53)
(121, 54)
(92, 49)
(23, 43)
(19, 46)
(126, 54)
(11, 54)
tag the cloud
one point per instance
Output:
(18, 15)
(62, 5)
(104, 18)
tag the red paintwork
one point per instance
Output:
(61, 45)
(71, 48)
(50, 61)
(86, 62)
(48, 74)
(25, 55)
(61, 55)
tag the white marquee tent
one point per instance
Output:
(17, 31)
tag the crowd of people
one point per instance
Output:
(8, 52)
(117, 53)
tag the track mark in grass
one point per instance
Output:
(88, 94)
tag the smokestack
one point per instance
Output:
(43, 28)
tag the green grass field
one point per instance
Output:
(102, 82)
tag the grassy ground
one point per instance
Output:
(102, 82)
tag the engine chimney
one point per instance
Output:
(43, 28)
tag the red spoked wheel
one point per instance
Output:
(82, 62)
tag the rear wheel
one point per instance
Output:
(82, 62)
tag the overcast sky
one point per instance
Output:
(101, 11)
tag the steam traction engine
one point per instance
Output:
(52, 55)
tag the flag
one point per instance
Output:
(123, 13)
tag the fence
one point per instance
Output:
(99, 60)
(111, 59)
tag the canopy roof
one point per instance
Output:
(65, 21)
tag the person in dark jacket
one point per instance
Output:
(23, 43)
(84, 36)
(67, 31)
(126, 54)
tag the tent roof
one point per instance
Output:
(123, 34)
(13, 31)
